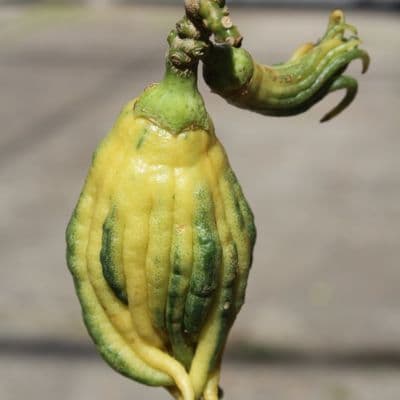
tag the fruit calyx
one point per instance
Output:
(175, 103)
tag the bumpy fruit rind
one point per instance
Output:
(160, 246)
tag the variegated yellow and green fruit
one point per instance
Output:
(160, 243)
(161, 240)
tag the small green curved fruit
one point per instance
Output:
(290, 88)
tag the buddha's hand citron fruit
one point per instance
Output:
(290, 88)
(160, 243)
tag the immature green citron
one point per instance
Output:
(290, 88)
(160, 242)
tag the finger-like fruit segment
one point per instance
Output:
(110, 256)
(206, 262)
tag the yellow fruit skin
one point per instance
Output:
(164, 215)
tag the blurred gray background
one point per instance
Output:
(368, 4)
(322, 316)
